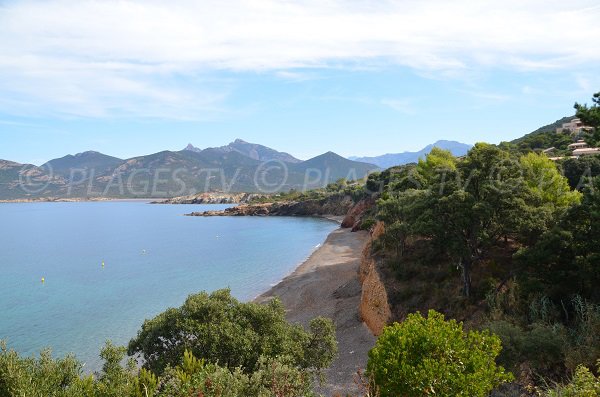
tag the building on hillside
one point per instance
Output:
(586, 151)
(575, 126)
(580, 144)
(549, 150)
(578, 149)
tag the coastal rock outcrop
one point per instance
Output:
(338, 206)
(212, 198)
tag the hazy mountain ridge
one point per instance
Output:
(252, 150)
(392, 159)
(232, 168)
(83, 161)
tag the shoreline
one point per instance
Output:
(74, 200)
(327, 284)
(332, 218)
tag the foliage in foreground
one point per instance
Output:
(222, 330)
(583, 384)
(431, 356)
(213, 345)
(48, 377)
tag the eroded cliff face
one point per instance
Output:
(355, 215)
(374, 305)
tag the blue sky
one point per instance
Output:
(357, 77)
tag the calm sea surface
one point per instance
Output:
(153, 259)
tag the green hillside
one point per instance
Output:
(170, 173)
(83, 162)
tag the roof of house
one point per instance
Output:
(577, 144)
(591, 150)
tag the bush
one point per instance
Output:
(584, 384)
(272, 378)
(224, 331)
(427, 356)
(36, 377)
(48, 377)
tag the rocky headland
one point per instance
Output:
(335, 206)
(58, 200)
(212, 198)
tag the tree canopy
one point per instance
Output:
(432, 356)
(220, 329)
(590, 115)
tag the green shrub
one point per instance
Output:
(246, 350)
(367, 224)
(232, 334)
(48, 377)
(541, 346)
(583, 384)
(512, 337)
(431, 356)
(584, 346)
(33, 377)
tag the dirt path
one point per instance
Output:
(327, 285)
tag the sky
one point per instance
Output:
(356, 77)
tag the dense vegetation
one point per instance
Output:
(341, 187)
(224, 331)
(503, 240)
(211, 346)
(431, 356)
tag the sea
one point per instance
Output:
(76, 274)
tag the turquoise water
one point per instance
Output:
(153, 259)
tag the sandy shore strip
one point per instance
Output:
(327, 284)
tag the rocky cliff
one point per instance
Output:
(356, 214)
(374, 308)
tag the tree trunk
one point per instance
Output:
(466, 267)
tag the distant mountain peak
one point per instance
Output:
(192, 148)
(331, 155)
(87, 153)
(239, 141)
(392, 159)
(84, 160)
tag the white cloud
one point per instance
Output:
(400, 105)
(144, 57)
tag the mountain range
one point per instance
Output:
(252, 150)
(237, 167)
(391, 159)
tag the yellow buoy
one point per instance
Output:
(43, 280)
(102, 263)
